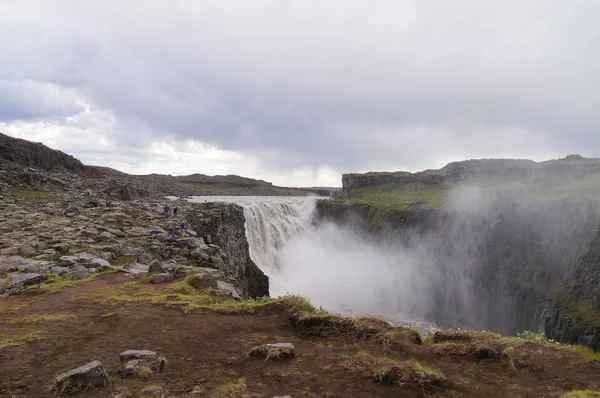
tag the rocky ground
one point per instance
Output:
(86, 287)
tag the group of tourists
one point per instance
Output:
(171, 225)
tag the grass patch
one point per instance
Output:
(144, 372)
(54, 283)
(121, 261)
(32, 193)
(581, 394)
(189, 299)
(401, 197)
(231, 390)
(38, 318)
(20, 340)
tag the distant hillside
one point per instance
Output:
(572, 177)
(29, 165)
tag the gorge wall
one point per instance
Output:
(521, 254)
(225, 222)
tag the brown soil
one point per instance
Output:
(209, 349)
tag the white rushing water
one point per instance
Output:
(330, 265)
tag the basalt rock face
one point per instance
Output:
(225, 222)
(494, 268)
(37, 155)
(574, 317)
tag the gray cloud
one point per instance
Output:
(350, 84)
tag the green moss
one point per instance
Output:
(32, 193)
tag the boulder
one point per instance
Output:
(133, 360)
(10, 251)
(61, 247)
(128, 355)
(155, 268)
(227, 289)
(82, 378)
(90, 232)
(163, 278)
(275, 351)
(203, 281)
(71, 212)
(145, 259)
(67, 261)
(77, 273)
(27, 279)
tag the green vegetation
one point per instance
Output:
(32, 193)
(581, 394)
(55, 283)
(20, 340)
(120, 261)
(38, 318)
(579, 308)
(183, 295)
(231, 390)
(401, 197)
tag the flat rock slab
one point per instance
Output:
(82, 378)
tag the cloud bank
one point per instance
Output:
(297, 92)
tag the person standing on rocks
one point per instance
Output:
(166, 208)
(175, 211)
(171, 228)
(182, 228)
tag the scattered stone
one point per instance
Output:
(155, 268)
(129, 355)
(82, 378)
(78, 273)
(273, 351)
(4, 230)
(10, 251)
(27, 279)
(140, 363)
(71, 212)
(163, 278)
(61, 247)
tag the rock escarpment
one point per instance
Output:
(225, 222)
(574, 316)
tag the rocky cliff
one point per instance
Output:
(494, 269)
(574, 316)
(225, 222)
(37, 155)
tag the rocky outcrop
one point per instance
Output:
(225, 222)
(37, 155)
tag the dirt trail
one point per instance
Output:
(208, 349)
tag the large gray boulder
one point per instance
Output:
(27, 279)
(82, 378)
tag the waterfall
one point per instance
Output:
(271, 222)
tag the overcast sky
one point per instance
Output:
(298, 92)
